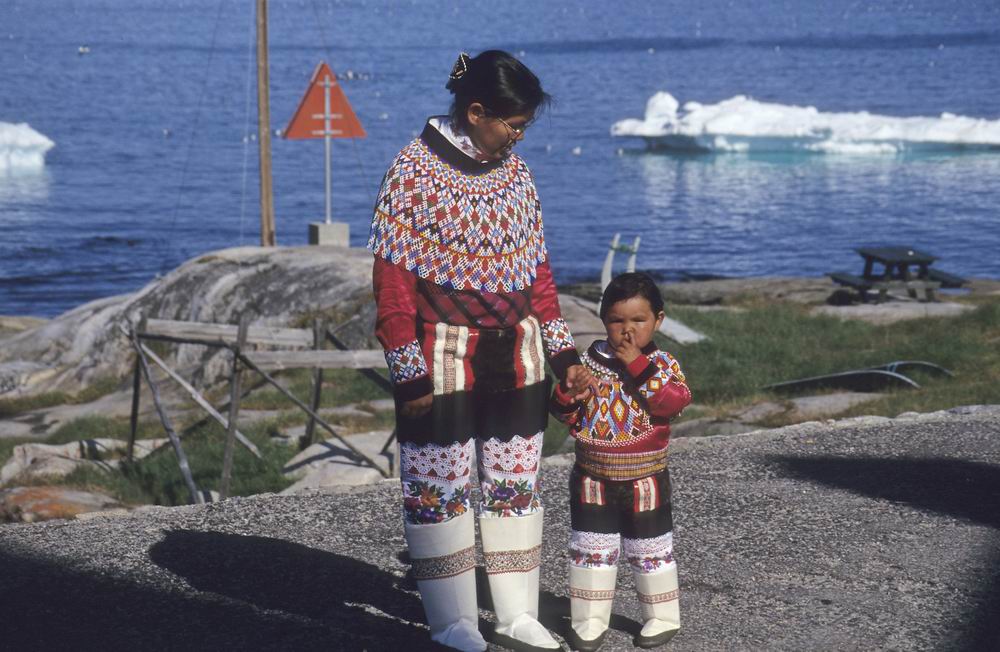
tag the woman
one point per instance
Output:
(468, 314)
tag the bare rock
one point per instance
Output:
(723, 291)
(48, 460)
(708, 427)
(274, 286)
(805, 408)
(10, 325)
(329, 464)
(584, 323)
(891, 312)
(31, 504)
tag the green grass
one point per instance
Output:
(11, 407)
(778, 342)
(340, 386)
(156, 479)
(766, 344)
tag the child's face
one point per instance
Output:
(632, 320)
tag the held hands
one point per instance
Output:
(579, 382)
(626, 351)
(418, 407)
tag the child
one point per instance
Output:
(619, 487)
(468, 315)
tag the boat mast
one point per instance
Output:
(267, 235)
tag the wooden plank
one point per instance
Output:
(199, 399)
(369, 372)
(226, 334)
(305, 408)
(182, 461)
(278, 360)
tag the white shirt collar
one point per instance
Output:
(455, 136)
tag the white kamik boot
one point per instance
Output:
(444, 563)
(591, 594)
(512, 547)
(658, 602)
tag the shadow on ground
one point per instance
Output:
(960, 489)
(253, 593)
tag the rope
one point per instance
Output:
(246, 123)
(194, 131)
(324, 41)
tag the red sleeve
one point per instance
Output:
(672, 398)
(560, 349)
(563, 407)
(396, 328)
(665, 389)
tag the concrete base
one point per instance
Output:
(335, 234)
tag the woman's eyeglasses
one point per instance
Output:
(516, 131)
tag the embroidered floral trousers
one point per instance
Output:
(609, 517)
(489, 407)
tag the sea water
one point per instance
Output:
(151, 107)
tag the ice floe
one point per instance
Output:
(22, 148)
(742, 124)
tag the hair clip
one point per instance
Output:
(461, 67)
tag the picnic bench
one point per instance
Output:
(901, 269)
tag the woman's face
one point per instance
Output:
(495, 136)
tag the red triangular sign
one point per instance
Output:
(309, 119)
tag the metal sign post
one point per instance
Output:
(328, 132)
(324, 112)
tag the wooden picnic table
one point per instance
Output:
(902, 268)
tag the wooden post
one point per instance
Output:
(248, 362)
(234, 409)
(136, 389)
(134, 418)
(307, 438)
(267, 231)
(182, 460)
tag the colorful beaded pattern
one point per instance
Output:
(557, 336)
(436, 568)
(406, 362)
(513, 561)
(462, 231)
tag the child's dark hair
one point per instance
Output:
(629, 285)
(502, 84)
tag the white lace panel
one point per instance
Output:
(649, 555)
(431, 461)
(593, 549)
(517, 458)
(654, 546)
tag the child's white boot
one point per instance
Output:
(444, 564)
(512, 547)
(591, 594)
(658, 602)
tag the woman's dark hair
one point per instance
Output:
(629, 285)
(498, 81)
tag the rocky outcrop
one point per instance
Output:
(329, 465)
(32, 504)
(56, 460)
(274, 286)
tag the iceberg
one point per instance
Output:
(742, 124)
(22, 148)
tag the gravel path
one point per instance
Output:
(856, 535)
